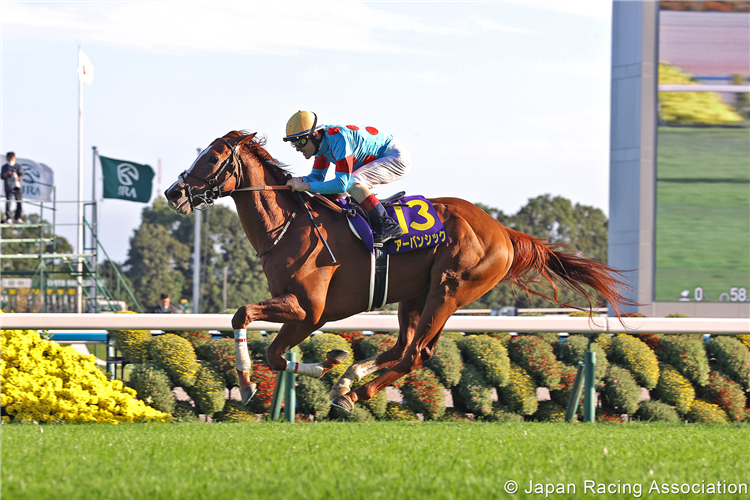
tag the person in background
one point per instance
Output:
(363, 157)
(164, 306)
(11, 174)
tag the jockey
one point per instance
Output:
(364, 157)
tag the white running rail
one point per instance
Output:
(379, 323)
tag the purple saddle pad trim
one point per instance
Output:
(360, 226)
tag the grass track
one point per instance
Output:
(387, 460)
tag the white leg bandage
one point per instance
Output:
(314, 370)
(242, 360)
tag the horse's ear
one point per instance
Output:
(245, 139)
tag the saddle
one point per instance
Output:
(422, 229)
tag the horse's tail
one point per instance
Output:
(534, 259)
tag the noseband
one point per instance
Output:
(213, 191)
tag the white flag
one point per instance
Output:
(38, 180)
(85, 68)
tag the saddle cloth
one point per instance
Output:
(422, 229)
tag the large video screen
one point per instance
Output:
(703, 153)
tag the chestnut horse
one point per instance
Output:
(308, 289)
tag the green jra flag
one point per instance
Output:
(126, 180)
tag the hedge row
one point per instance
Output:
(493, 376)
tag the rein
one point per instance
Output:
(214, 192)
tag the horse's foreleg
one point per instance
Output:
(281, 309)
(278, 309)
(408, 316)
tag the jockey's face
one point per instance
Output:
(308, 150)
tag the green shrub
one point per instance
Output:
(551, 338)
(732, 359)
(153, 387)
(573, 350)
(562, 393)
(727, 394)
(220, 353)
(375, 344)
(453, 415)
(537, 357)
(424, 393)
(376, 404)
(196, 337)
(579, 314)
(319, 345)
(312, 397)
(208, 391)
(674, 389)
(656, 411)
(454, 336)
(621, 391)
(235, 411)
(396, 411)
(257, 343)
(687, 355)
(604, 340)
(705, 412)
(636, 356)
(520, 393)
(265, 380)
(358, 414)
(177, 357)
(489, 356)
(354, 338)
(446, 362)
(134, 344)
(184, 412)
(549, 411)
(473, 392)
(501, 413)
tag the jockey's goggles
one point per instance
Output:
(300, 142)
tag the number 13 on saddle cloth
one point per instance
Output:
(418, 220)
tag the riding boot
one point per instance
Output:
(384, 228)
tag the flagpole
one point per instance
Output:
(94, 231)
(79, 288)
(197, 260)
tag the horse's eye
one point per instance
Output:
(213, 160)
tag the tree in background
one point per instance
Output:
(156, 264)
(160, 259)
(556, 219)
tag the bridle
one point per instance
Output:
(214, 191)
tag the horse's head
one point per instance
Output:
(217, 170)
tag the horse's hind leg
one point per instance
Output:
(408, 316)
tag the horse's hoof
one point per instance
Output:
(338, 390)
(344, 403)
(248, 393)
(336, 356)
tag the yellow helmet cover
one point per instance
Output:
(300, 124)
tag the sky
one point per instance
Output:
(498, 102)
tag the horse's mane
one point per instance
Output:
(278, 170)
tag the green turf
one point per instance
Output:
(386, 460)
(702, 212)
